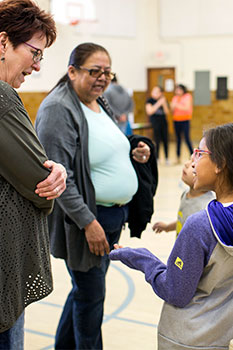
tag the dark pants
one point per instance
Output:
(182, 128)
(81, 319)
(160, 129)
(13, 338)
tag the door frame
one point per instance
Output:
(158, 68)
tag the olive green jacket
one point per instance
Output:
(21, 153)
(25, 271)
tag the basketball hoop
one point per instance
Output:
(73, 12)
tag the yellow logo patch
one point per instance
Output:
(179, 263)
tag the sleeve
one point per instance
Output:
(22, 156)
(149, 101)
(176, 281)
(58, 133)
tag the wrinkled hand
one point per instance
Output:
(96, 239)
(55, 184)
(141, 153)
(159, 227)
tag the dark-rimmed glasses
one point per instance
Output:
(97, 72)
(37, 54)
(197, 153)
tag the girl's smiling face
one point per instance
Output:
(204, 169)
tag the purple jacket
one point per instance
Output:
(196, 281)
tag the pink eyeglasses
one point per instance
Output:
(197, 153)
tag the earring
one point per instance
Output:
(3, 59)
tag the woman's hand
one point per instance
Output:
(96, 239)
(141, 153)
(55, 184)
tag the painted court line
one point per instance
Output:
(113, 315)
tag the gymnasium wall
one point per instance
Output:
(149, 45)
(155, 41)
(219, 112)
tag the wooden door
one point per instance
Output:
(164, 77)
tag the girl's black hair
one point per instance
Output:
(219, 141)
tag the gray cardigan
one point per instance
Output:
(62, 128)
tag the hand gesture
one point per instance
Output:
(159, 227)
(96, 238)
(141, 153)
(55, 184)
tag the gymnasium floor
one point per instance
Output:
(131, 309)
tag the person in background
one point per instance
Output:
(182, 108)
(157, 109)
(197, 281)
(191, 201)
(121, 103)
(77, 128)
(28, 180)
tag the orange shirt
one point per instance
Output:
(181, 114)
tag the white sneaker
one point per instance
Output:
(231, 345)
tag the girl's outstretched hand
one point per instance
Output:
(117, 246)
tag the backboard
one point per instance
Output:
(73, 12)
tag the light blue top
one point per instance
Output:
(112, 173)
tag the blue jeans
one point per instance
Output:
(80, 323)
(13, 338)
(182, 128)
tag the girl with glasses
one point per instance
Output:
(196, 283)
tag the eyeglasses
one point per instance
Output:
(97, 72)
(197, 153)
(37, 54)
